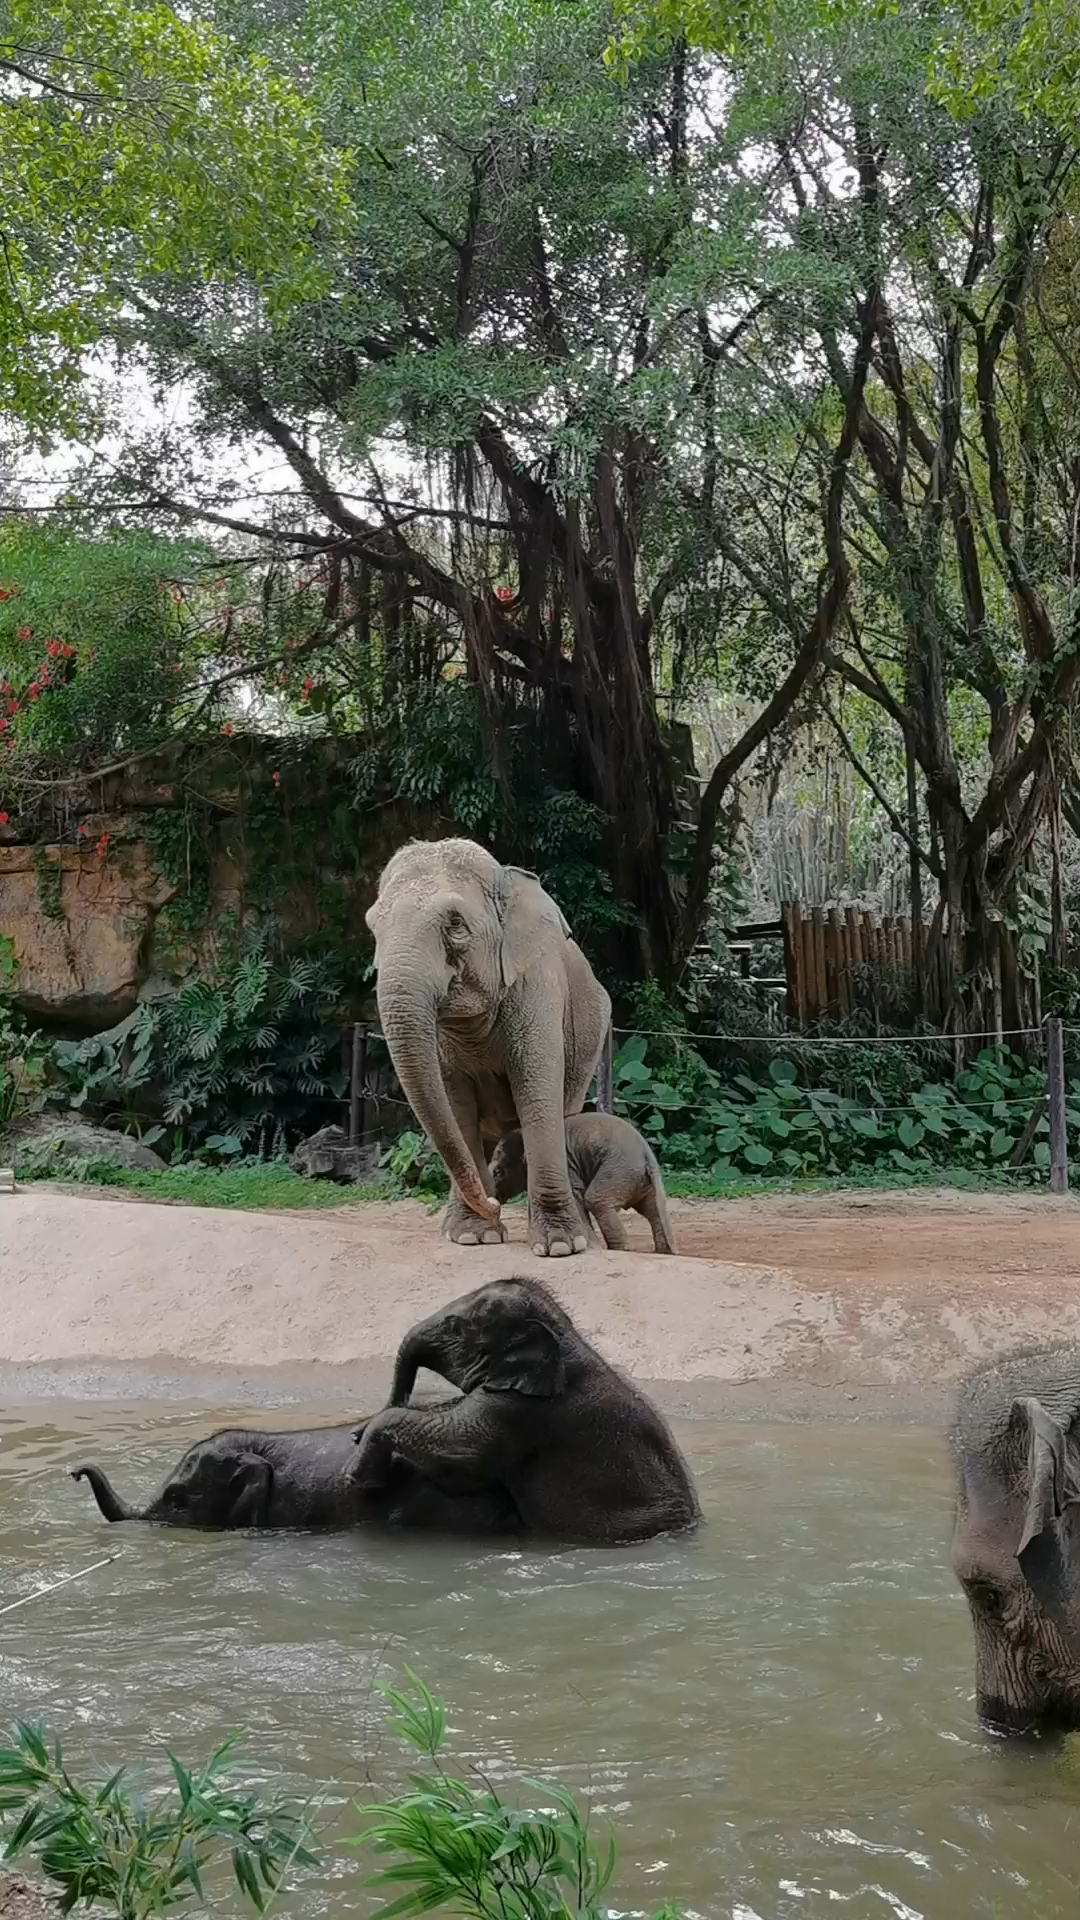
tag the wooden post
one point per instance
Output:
(1055, 1095)
(821, 956)
(793, 964)
(605, 1090)
(357, 1081)
(810, 972)
(839, 948)
(1023, 1146)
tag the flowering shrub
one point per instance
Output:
(96, 643)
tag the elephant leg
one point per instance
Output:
(461, 1225)
(461, 1444)
(583, 1208)
(535, 1072)
(604, 1207)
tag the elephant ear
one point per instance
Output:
(529, 1361)
(248, 1491)
(1052, 1485)
(531, 922)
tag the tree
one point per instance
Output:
(137, 144)
(945, 228)
(529, 306)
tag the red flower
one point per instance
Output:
(31, 693)
(504, 593)
(3, 819)
(24, 633)
(227, 728)
(81, 830)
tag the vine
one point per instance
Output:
(47, 874)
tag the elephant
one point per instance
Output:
(582, 1454)
(611, 1166)
(494, 1020)
(1016, 1543)
(238, 1478)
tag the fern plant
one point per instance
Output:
(248, 1061)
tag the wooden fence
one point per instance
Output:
(826, 947)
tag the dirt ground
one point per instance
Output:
(819, 1306)
(21, 1901)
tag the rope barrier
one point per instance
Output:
(832, 1040)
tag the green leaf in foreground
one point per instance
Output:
(112, 1845)
(454, 1845)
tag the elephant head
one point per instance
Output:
(213, 1486)
(509, 1169)
(453, 932)
(508, 1337)
(1016, 1544)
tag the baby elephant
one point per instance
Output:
(610, 1165)
(239, 1478)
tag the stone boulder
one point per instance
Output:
(327, 1155)
(67, 1137)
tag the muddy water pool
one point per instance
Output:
(776, 1716)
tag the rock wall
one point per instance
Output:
(114, 898)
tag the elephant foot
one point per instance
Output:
(467, 1229)
(555, 1232)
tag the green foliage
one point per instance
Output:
(137, 1851)
(731, 1124)
(251, 1187)
(23, 1054)
(434, 752)
(243, 1061)
(414, 1165)
(95, 651)
(111, 1071)
(136, 143)
(455, 1846)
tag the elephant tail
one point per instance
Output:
(659, 1217)
(108, 1500)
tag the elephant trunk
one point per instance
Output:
(408, 1024)
(110, 1502)
(415, 1351)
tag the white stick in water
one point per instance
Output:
(40, 1592)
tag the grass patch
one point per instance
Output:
(693, 1186)
(265, 1189)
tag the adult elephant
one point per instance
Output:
(239, 1478)
(1016, 1543)
(494, 1020)
(582, 1454)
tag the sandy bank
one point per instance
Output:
(820, 1306)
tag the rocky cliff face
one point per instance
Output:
(82, 928)
(105, 892)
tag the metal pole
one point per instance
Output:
(356, 1086)
(605, 1093)
(1055, 1094)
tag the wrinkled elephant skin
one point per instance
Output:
(494, 1020)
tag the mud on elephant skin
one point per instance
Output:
(581, 1453)
(1016, 1543)
(236, 1479)
(611, 1166)
(494, 1020)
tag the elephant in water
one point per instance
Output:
(238, 1478)
(1016, 1544)
(494, 1020)
(582, 1454)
